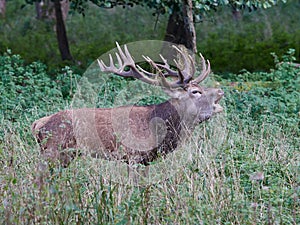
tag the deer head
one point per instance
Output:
(195, 103)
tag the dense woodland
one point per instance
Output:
(245, 164)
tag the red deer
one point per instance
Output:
(133, 134)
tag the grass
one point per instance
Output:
(233, 170)
(232, 175)
(241, 167)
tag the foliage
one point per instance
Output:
(247, 43)
(24, 86)
(272, 97)
(167, 6)
(230, 45)
(243, 166)
(27, 90)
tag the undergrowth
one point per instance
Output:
(241, 167)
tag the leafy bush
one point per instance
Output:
(27, 92)
(272, 97)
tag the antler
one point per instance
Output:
(185, 76)
(189, 68)
(125, 60)
(205, 70)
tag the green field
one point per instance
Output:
(243, 165)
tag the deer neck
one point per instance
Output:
(188, 116)
(175, 113)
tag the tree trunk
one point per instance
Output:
(45, 9)
(38, 10)
(2, 8)
(181, 29)
(61, 33)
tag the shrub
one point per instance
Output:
(27, 92)
(272, 97)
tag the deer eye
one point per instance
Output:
(196, 92)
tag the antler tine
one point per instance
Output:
(101, 63)
(123, 56)
(127, 55)
(111, 62)
(189, 66)
(125, 59)
(166, 67)
(164, 81)
(193, 68)
(119, 59)
(148, 60)
(205, 70)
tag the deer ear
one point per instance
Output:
(174, 93)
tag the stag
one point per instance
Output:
(133, 134)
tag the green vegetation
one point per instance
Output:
(231, 45)
(244, 170)
(245, 167)
(28, 90)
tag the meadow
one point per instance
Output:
(243, 165)
(240, 167)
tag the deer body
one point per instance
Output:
(133, 134)
(70, 129)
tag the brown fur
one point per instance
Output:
(133, 134)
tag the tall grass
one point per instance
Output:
(235, 175)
